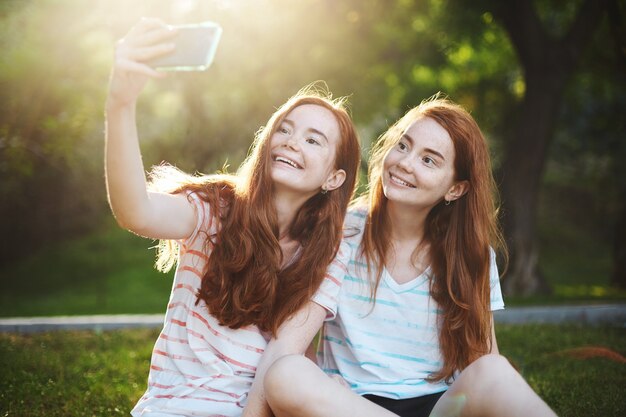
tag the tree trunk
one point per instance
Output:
(548, 63)
(524, 161)
(618, 278)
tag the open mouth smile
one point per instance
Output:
(287, 161)
(400, 181)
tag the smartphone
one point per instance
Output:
(195, 46)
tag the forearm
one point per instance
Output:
(494, 342)
(257, 404)
(293, 338)
(124, 171)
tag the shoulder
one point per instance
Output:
(211, 203)
(353, 228)
(355, 220)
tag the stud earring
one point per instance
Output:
(324, 191)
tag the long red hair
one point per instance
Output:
(459, 235)
(244, 283)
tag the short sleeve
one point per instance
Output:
(204, 218)
(497, 302)
(327, 295)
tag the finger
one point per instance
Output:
(145, 24)
(150, 52)
(138, 68)
(149, 23)
(155, 36)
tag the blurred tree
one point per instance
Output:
(56, 55)
(510, 63)
(46, 188)
(495, 58)
(617, 16)
(548, 61)
(589, 146)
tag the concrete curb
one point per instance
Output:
(613, 314)
(96, 323)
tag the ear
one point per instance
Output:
(457, 190)
(334, 180)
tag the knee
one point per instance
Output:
(285, 383)
(491, 367)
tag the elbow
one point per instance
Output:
(124, 222)
(132, 221)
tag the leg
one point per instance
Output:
(296, 387)
(490, 386)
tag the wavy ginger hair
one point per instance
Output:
(244, 283)
(459, 235)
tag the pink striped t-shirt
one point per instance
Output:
(198, 367)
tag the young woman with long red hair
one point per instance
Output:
(414, 328)
(253, 247)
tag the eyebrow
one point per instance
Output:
(310, 129)
(429, 150)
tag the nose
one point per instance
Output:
(292, 142)
(406, 163)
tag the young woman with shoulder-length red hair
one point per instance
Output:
(414, 329)
(251, 248)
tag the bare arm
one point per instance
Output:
(311, 352)
(293, 337)
(494, 342)
(154, 215)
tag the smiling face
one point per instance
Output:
(418, 171)
(303, 150)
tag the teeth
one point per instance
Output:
(287, 161)
(401, 182)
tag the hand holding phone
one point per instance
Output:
(195, 46)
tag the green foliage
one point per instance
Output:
(110, 271)
(107, 272)
(388, 56)
(56, 57)
(98, 374)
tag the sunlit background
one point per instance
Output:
(58, 239)
(61, 252)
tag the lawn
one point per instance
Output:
(111, 272)
(104, 373)
(579, 371)
(108, 272)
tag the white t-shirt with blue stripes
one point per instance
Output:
(388, 348)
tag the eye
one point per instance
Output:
(402, 146)
(312, 141)
(283, 129)
(429, 161)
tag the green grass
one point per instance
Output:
(108, 272)
(73, 373)
(104, 374)
(546, 356)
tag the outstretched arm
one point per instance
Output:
(293, 337)
(494, 342)
(154, 215)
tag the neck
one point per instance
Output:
(287, 205)
(407, 223)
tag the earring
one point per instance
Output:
(448, 202)
(324, 191)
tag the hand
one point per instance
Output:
(148, 39)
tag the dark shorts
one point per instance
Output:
(410, 407)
